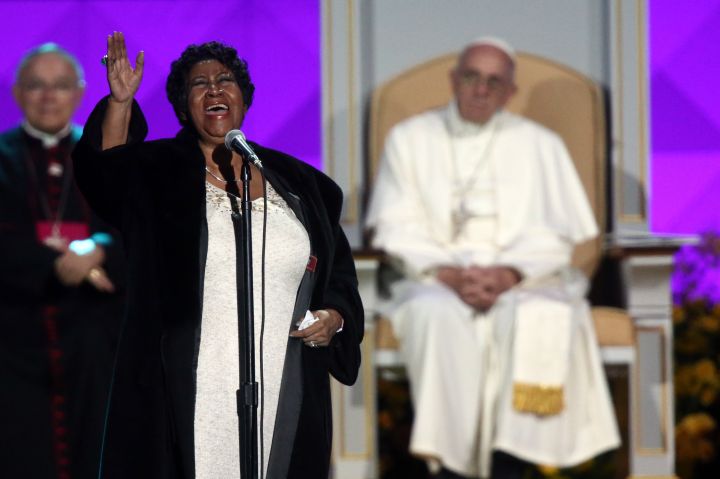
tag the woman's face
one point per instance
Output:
(215, 101)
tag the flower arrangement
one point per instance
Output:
(696, 327)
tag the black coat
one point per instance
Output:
(155, 192)
(86, 323)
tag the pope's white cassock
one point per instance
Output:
(524, 377)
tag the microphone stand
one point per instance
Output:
(247, 395)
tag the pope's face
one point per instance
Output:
(215, 101)
(482, 82)
(48, 91)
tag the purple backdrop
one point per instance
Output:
(685, 114)
(280, 39)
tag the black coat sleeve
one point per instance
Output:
(341, 293)
(103, 176)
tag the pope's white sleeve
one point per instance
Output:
(396, 215)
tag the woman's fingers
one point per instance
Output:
(116, 47)
(113, 54)
(319, 334)
(140, 62)
(123, 79)
(122, 50)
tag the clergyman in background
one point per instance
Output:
(61, 283)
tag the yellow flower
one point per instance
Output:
(691, 344)
(686, 381)
(678, 314)
(710, 324)
(707, 397)
(705, 450)
(548, 470)
(706, 371)
(696, 304)
(694, 425)
(692, 442)
(684, 447)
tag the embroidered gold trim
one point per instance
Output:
(538, 399)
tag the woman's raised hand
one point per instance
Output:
(124, 80)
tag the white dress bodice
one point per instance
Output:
(287, 252)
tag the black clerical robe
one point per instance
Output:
(56, 343)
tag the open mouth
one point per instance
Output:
(217, 109)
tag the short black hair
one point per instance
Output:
(176, 86)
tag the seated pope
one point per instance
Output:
(481, 209)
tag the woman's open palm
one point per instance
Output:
(124, 80)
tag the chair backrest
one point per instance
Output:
(553, 95)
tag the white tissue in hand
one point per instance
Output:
(307, 321)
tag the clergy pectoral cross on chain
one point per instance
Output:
(56, 240)
(460, 217)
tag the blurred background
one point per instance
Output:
(316, 64)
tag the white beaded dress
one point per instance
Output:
(287, 252)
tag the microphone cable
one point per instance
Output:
(108, 402)
(261, 459)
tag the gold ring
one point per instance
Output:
(94, 273)
(313, 344)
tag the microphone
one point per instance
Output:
(235, 141)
